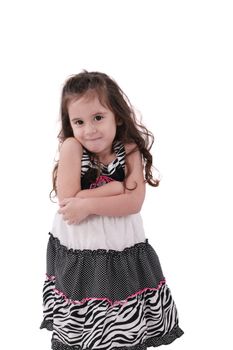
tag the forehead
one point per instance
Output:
(87, 104)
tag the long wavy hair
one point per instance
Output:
(129, 129)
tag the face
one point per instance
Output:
(94, 125)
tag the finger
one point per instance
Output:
(65, 201)
(70, 222)
(73, 222)
(61, 205)
(61, 211)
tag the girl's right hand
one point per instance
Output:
(74, 210)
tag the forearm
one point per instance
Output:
(112, 188)
(121, 205)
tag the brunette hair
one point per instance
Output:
(129, 129)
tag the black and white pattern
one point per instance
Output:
(149, 316)
(88, 305)
(87, 273)
(114, 170)
(106, 169)
(106, 299)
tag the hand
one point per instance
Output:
(74, 210)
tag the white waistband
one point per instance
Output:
(100, 232)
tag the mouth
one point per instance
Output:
(95, 139)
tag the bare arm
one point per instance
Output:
(77, 209)
(69, 169)
(112, 188)
(68, 175)
(123, 204)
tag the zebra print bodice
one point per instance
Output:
(113, 171)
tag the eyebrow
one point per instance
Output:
(94, 114)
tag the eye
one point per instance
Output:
(98, 117)
(78, 122)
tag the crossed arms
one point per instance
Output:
(109, 199)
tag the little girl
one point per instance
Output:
(104, 286)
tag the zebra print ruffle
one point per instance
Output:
(154, 341)
(146, 319)
(107, 300)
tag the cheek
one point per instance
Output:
(77, 133)
(111, 125)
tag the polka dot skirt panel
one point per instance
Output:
(100, 273)
(107, 299)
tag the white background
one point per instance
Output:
(174, 61)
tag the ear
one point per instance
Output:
(119, 122)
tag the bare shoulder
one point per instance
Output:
(71, 143)
(132, 154)
(129, 147)
(134, 163)
(70, 152)
(134, 172)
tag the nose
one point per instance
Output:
(90, 128)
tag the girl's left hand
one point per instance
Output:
(74, 210)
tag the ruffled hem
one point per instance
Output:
(83, 252)
(166, 339)
(47, 325)
(101, 273)
(110, 302)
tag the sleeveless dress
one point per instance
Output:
(104, 286)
